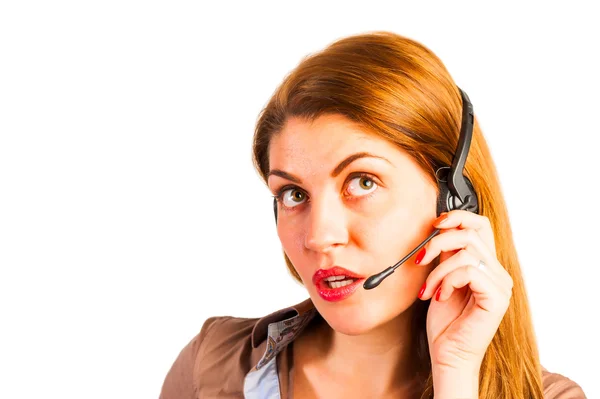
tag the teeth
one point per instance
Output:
(339, 284)
(335, 278)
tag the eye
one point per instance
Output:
(361, 185)
(292, 197)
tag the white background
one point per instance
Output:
(130, 211)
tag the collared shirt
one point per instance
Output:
(249, 358)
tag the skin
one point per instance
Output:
(365, 224)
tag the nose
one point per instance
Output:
(327, 226)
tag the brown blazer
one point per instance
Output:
(248, 358)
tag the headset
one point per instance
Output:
(455, 189)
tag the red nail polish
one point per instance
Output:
(420, 256)
(422, 289)
(437, 296)
(441, 219)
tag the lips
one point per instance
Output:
(339, 293)
(334, 271)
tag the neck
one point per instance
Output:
(388, 350)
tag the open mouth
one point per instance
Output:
(338, 281)
(337, 288)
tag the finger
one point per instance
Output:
(456, 261)
(453, 241)
(488, 295)
(471, 241)
(468, 220)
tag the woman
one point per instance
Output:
(363, 146)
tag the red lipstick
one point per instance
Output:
(336, 293)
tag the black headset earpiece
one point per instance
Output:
(454, 186)
(447, 201)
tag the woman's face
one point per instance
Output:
(360, 213)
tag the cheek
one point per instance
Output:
(390, 233)
(292, 241)
(393, 233)
(286, 236)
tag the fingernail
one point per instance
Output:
(420, 256)
(422, 289)
(437, 296)
(441, 219)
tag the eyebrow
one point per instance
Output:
(334, 173)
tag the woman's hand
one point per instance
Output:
(468, 300)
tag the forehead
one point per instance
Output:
(325, 141)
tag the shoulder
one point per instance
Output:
(221, 340)
(557, 386)
(234, 344)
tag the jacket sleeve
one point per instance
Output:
(557, 386)
(179, 382)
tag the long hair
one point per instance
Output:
(398, 89)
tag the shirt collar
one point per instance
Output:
(280, 328)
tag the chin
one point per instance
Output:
(353, 318)
(350, 327)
